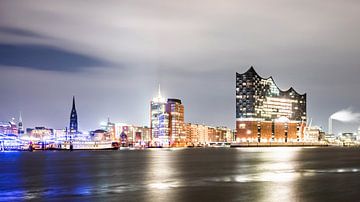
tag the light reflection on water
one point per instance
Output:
(221, 174)
(278, 166)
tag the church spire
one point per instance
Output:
(73, 105)
(20, 117)
(20, 125)
(73, 118)
(159, 97)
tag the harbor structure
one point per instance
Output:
(265, 113)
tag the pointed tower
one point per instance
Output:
(157, 117)
(73, 119)
(159, 91)
(20, 125)
(159, 98)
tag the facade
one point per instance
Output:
(198, 134)
(265, 113)
(313, 134)
(109, 127)
(194, 133)
(347, 137)
(132, 135)
(40, 133)
(175, 110)
(8, 128)
(100, 135)
(60, 134)
(73, 128)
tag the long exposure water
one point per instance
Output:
(194, 174)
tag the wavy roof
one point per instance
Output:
(291, 89)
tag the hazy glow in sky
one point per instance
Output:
(112, 55)
(346, 115)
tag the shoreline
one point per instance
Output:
(294, 144)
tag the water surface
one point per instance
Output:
(198, 174)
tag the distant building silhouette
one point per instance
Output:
(73, 119)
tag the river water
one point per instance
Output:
(194, 174)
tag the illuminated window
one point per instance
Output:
(242, 125)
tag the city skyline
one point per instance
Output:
(114, 62)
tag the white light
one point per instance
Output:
(283, 119)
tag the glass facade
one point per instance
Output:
(265, 113)
(259, 98)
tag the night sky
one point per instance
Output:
(112, 55)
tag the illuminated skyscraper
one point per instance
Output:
(158, 121)
(264, 113)
(73, 119)
(167, 122)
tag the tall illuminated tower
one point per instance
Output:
(167, 122)
(20, 126)
(159, 121)
(73, 119)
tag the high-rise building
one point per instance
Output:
(167, 122)
(73, 119)
(265, 113)
(175, 110)
(159, 121)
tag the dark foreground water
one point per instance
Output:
(213, 174)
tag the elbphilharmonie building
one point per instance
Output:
(265, 113)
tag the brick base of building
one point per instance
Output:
(269, 131)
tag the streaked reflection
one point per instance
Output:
(278, 172)
(161, 175)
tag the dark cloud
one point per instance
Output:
(44, 57)
(20, 32)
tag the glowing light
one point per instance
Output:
(283, 119)
(163, 185)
